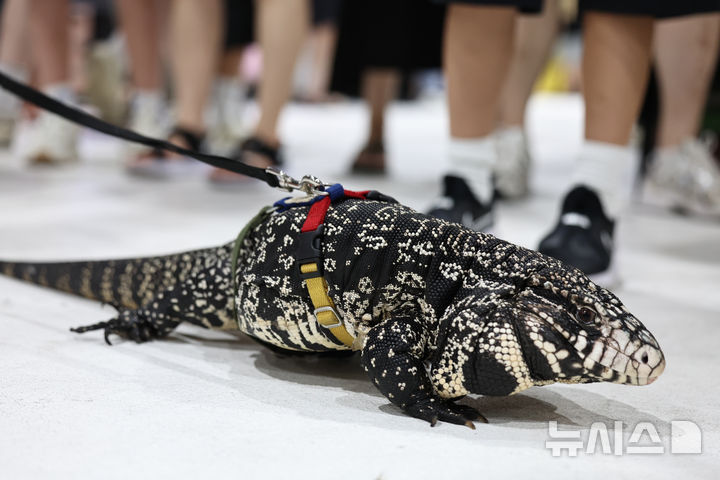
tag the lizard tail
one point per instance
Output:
(127, 283)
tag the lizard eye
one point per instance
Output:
(586, 315)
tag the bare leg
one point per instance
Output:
(379, 89)
(686, 50)
(144, 24)
(615, 71)
(534, 38)
(195, 33)
(280, 48)
(477, 51)
(141, 23)
(230, 62)
(82, 23)
(323, 40)
(281, 29)
(13, 39)
(50, 41)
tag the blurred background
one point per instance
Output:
(463, 109)
(120, 60)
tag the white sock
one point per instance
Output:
(231, 83)
(13, 71)
(148, 96)
(608, 169)
(61, 92)
(473, 160)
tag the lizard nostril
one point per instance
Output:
(644, 358)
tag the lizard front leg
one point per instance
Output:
(392, 357)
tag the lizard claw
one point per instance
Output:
(88, 328)
(129, 324)
(434, 410)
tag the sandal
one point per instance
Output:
(254, 152)
(160, 163)
(370, 160)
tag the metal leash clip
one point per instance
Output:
(309, 184)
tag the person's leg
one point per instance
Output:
(82, 24)
(534, 38)
(477, 54)
(50, 41)
(195, 35)
(683, 173)
(13, 34)
(615, 67)
(141, 23)
(323, 39)
(477, 50)
(379, 88)
(281, 26)
(230, 59)
(13, 55)
(686, 51)
(195, 32)
(53, 139)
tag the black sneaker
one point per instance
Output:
(459, 205)
(583, 236)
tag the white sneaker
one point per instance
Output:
(149, 115)
(226, 127)
(685, 178)
(51, 140)
(513, 163)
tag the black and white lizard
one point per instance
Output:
(438, 311)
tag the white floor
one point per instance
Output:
(206, 404)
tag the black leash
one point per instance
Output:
(271, 176)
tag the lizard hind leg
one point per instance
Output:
(140, 325)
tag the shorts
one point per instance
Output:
(653, 8)
(524, 6)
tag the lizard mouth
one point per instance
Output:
(635, 366)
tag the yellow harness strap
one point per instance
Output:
(325, 312)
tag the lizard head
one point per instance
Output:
(574, 331)
(548, 324)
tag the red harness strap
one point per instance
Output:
(318, 210)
